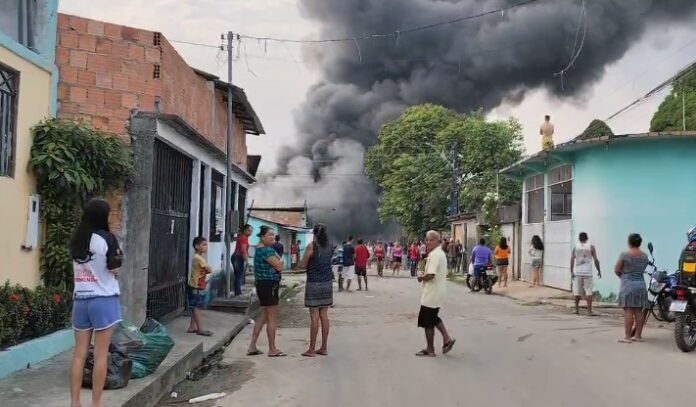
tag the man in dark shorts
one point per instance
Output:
(362, 255)
(434, 283)
(348, 264)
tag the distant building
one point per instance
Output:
(290, 223)
(608, 187)
(28, 80)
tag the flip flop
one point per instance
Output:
(448, 346)
(254, 353)
(622, 340)
(309, 355)
(322, 353)
(634, 339)
(195, 331)
(425, 353)
(204, 333)
(277, 355)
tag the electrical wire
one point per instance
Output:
(396, 33)
(653, 92)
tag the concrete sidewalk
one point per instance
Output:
(524, 294)
(47, 384)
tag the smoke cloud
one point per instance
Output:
(479, 63)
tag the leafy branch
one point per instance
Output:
(72, 162)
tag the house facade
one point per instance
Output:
(608, 187)
(134, 84)
(28, 78)
(288, 223)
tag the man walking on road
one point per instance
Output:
(434, 285)
(348, 264)
(581, 271)
(379, 256)
(362, 255)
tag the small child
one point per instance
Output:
(197, 286)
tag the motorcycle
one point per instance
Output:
(486, 280)
(684, 306)
(660, 287)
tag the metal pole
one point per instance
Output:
(455, 188)
(228, 199)
(684, 109)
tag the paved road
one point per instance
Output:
(506, 355)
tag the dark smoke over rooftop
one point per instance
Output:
(474, 64)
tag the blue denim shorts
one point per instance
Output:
(196, 297)
(96, 314)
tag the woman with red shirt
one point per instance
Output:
(413, 255)
(241, 258)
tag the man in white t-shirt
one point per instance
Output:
(434, 287)
(584, 254)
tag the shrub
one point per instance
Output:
(28, 314)
(72, 162)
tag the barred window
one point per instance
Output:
(17, 19)
(561, 192)
(9, 82)
(534, 189)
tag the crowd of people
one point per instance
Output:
(97, 259)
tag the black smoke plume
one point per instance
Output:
(474, 64)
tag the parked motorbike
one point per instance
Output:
(486, 280)
(684, 306)
(660, 291)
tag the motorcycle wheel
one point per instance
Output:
(685, 330)
(665, 314)
(488, 285)
(473, 283)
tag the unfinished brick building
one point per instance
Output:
(133, 83)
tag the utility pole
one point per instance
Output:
(228, 188)
(683, 109)
(455, 183)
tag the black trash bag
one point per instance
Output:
(118, 368)
(128, 337)
(158, 343)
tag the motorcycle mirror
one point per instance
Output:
(650, 247)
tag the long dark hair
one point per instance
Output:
(95, 217)
(320, 234)
(503, 243)
(537, 243)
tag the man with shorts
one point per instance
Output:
(379, 256)
(434, 285)
(362, 255)
(584, 254)
(348, 264)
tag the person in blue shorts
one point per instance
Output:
(96, 259)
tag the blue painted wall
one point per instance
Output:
(643, 186)
(44, 56)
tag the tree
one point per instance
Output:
(682, 98)
(597, 128)
(411, 162)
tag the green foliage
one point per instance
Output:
(73, 162)
(669, 116)
(410, 163)
(27, 314)
(597, 128)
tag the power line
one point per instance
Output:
(396, 33)
(654, 91)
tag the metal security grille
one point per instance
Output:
(169, 232)
(9, 81)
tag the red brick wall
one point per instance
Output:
(106, 70)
